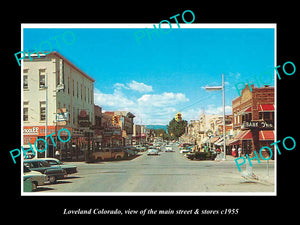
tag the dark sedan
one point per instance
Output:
(40, 165)
(55, 162)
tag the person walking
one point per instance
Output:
(57, 154)
(239, 152)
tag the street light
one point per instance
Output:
(218, 88)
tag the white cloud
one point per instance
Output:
(212, 109)
(114, 101)
(148, 109)
(136, 86)
(140, 87)
(161, 100)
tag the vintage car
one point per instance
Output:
(55, 162)
(169, 148)
(108, 154)
(40, 165)
(152, 152)
(36, 178)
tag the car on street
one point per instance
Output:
(152, 152)
(186, 150)
(70, 169)
(36, 178)
(40, 165)
(116, 153)
(141, 148)
(169, 148)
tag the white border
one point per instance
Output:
(148, 25)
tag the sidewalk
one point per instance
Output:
(262, 172)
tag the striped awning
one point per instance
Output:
(266, 108)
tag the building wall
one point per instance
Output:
(59, 75)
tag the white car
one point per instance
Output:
(169, 148)
(37, 178)
(185, 150)
(152, 152)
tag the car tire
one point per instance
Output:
(34, 186)
(52, 179)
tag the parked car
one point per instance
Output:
(36, 178)
(70, 169)
(108, 154)
(186, 150)
(152, 152)
(130, 151)
(54, 173)
(141, 148)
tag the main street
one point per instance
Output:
(168, 172)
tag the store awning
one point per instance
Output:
(246, 110)
(266, 108)
(266, 135)
(214, 139)
(219, 142)
(243, 135)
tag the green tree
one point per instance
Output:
(161, 133)
(176, 129)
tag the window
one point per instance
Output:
(42, 111)
(266, 115)
(42, 78)
(73, 88)
(25, 79)
(25, 111)
(68, 85)
(77, 90)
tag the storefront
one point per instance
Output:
(247, 143)
(33, 133)
(254, 116)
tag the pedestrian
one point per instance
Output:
(57, 154)
(239, 152)
(234, 152)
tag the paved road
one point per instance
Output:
(168, 172)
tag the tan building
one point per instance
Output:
(58, 94)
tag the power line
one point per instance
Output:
(201, 99)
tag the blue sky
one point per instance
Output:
(165, 74)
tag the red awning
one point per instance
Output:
(266, 108)
(247, 135)
(266, 135)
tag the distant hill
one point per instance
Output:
(156, 127)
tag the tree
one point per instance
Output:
(176, 129)
(161, 133)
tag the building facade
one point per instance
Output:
(57, 94)
(253, 119)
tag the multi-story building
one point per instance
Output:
(139, 134)
(57, 94)
(119, 132)
(253, 119)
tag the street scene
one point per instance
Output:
(173, 113)
(166, 172)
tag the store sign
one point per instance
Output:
(31, 131)
(83, 119)
(257, 124)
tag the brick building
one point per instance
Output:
(253, 119)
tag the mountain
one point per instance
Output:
(156, 127)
